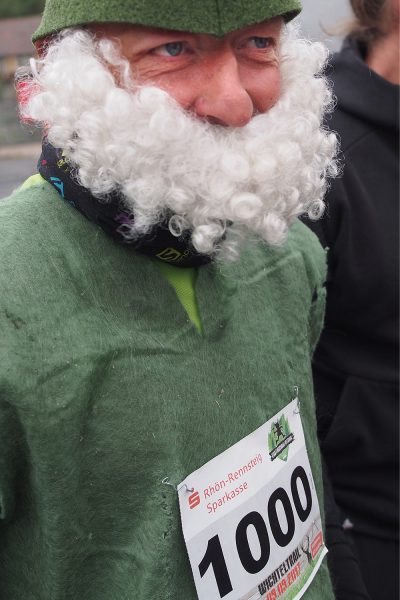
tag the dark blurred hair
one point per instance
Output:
(369, 19)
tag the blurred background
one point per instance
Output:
(19, 145)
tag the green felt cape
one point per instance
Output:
(107, 387)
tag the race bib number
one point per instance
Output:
(251, 519)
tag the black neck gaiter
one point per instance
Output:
(111, 215)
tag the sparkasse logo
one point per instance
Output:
(194, 500)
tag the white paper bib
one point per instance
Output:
(251, 518)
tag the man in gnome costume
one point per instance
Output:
(160, 304)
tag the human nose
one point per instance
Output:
(222, 98)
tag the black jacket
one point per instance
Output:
(356, 363)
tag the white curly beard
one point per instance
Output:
(220, 183)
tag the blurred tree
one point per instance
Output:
(20, 8)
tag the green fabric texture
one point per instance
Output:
(106, 388)
(215, 17)
(182, 280)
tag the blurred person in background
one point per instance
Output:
(356, 362)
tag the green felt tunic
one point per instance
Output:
(107, 387)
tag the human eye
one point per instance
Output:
(260, 43)
(171, 49)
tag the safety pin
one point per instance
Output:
(296, 397)
(184, 485)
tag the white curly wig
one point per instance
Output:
(220, 183)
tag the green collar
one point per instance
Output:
(184, 281)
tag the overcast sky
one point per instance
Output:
(319, 14)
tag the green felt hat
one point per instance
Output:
(215, 17)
